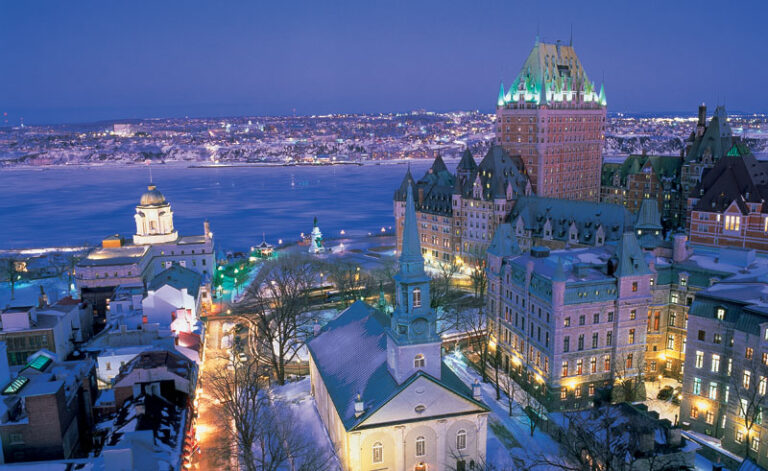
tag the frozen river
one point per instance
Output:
(71, 206)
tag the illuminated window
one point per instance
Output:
(754, 444)
(696, 386)
(715, 363)
(699, 359)
(720, 313)
(732, 223)
(745, 380)
(749, 353)
(421, 445)
(713, 391)
(419, 361)
(461, 439)
(417, 297)
(378, 452)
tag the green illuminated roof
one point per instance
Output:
(16, 385)
(40, 362)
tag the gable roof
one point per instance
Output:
(178, 277)
(741, 178)
(350, 353)
(586, 215)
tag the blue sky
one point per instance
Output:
(88, 60)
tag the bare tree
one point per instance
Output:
(509, 386)
(260, 431)
(473, 323)
(276, 309)
(628, 379)
(750, 388)
(350, 281)
(442, 287)
(238, 388)
(8, 273)
(614, 438)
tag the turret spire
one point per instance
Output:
(411, 261)
(500, 101)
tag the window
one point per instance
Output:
(720, 313)
(732, 223)
(607, 363)
(594, 340)
(672, 319)
(563, 393)
(673, 298)
(632, 314)
(717, 338)
(567, 322)
(629, 360)
(631, 336)
(378, 452)
(416, 297)
(743, 408)
(596, 318)
(765, 358)
(582, 319)
(761, 385)
(565, 369)
(566, 344)
(710, 417)
(591, 390)
(745, 380)
(699, 359)
(461, 439)
(697, 386)
(694, 412)
(715, 363)
(577, 391)
(713, 391)
(421, 446)
(419, 361)
(581, 342)
(730, 366)
(610, 316)
(748, 353)
(609, 338)
(755, 443)
(634, 286)
(739, 436)
(702, 335)
(593, 365)
(671, 342)
(579, 366)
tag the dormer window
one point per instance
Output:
(720, 313)
(419, 361)
(417, 297)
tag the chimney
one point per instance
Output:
(359, 405)
(207, 229)
(702, 123)
(476, 391)
(679, 249)
(421, 196)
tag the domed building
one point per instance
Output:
(156, 246)
(154, 219)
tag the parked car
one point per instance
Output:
(665, 393)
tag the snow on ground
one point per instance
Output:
(516, 441)
(665, 408)
(26, 293)
(297, 395)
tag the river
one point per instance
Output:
(69, 206)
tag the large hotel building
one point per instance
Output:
(553, 117)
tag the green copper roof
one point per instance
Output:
(648, 217)
(16, 385)
(631, 257)
(40, 362)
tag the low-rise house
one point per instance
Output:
(173, 299)
(162, 372)
(45, 408)
(60, 327)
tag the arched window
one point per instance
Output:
(416, 297)
(421, 446)
(461, 439)
(419, 361)
(378, 452)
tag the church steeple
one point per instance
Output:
(412, 342)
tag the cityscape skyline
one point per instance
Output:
(69, 63)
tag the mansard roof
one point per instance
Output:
(741, 179)
(631, 259)
(495, 172)
(716, 140)
(664, 166)
(535, 211)
(504, 242)
(648, 217)
(350, 354)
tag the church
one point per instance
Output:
(155, 246)
(382, 390)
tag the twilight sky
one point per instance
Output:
(92, 60)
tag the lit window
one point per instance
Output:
(720, 313)
(755, 443)
(713, 391)
(715, 363)
(746, 379)
(417, 297)
(696, 386)
(421, 445)
(378, 452)
(699, 359)
(461, 439)
(419, 361)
